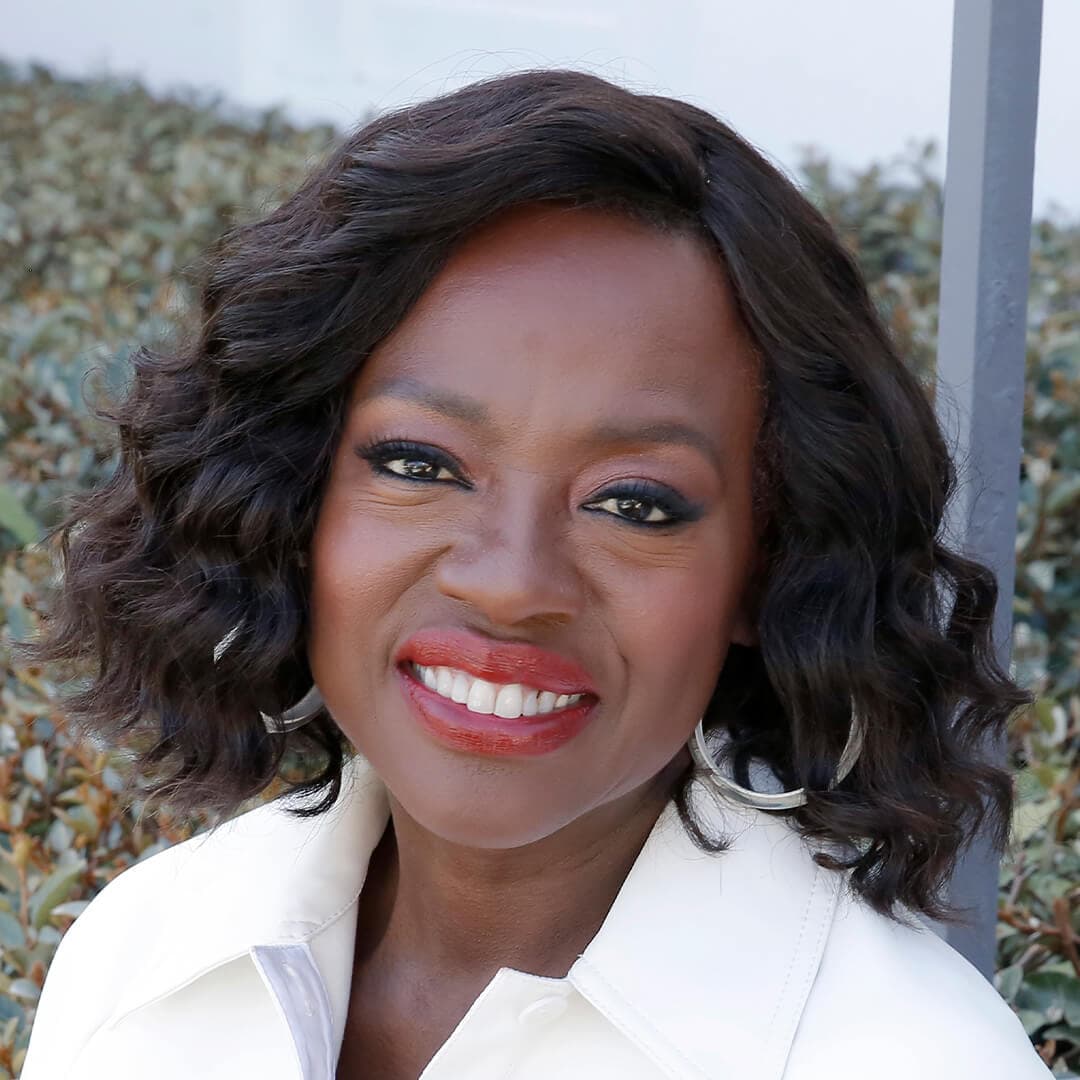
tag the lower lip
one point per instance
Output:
(495, 736)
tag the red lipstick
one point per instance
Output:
(498, 662)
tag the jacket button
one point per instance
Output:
(542, 1011)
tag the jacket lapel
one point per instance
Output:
(706, 961)
(265, 878)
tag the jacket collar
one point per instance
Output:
(739, 935)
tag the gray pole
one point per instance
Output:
(982, 336)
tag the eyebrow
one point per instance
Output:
(471, 411)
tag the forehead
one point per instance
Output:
(569, 311)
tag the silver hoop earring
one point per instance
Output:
(781, 800)
(293, 717)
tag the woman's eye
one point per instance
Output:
(410, 462)
(641, 505)
(637, 503)
(416, 468)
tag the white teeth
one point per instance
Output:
(508, 701)
(480, 696)
(459, 692)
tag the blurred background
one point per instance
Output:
(132, 135)
(856, 80)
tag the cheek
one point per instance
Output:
(361, 562)
(673, 628)
(670, 615)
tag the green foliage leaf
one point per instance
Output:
(1008, 981)
(53, 890)
(1063, 1031)
(1032, 816)
(15, 519)
(12, 935)
(1054, 994)
(35, 766)
(25, 989)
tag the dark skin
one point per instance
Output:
(553, 323)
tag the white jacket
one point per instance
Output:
(230, 955)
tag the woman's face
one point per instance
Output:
(572, 514)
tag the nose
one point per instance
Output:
(513, 562)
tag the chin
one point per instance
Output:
(486, 805)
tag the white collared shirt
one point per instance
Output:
(230, 955)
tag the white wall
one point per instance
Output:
(856, 79)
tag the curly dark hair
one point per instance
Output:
(226, 439)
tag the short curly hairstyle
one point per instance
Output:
(226, 439)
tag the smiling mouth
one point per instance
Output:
(480, 728)
(507, 700)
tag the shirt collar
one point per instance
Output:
(738, 936)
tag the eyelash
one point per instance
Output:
(378, 454)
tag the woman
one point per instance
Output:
(545, 431)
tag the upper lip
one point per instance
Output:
(496, 661)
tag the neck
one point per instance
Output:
(451, 911)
